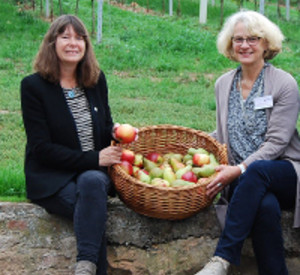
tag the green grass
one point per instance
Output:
(160, 69)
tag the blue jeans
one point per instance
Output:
(84, 201)
(255, 209)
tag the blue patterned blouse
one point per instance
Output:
(246, 127)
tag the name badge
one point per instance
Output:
(263, 102)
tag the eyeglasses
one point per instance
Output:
(252, 40)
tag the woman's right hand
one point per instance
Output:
(226, 174)
(110, 155)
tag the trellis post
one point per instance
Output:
(99, 21)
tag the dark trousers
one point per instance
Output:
(85, 202)
(255, 209)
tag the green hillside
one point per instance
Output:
(160, 69)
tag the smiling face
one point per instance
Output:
(70, 47)
(244, 53)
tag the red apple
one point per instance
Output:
(189, 176)
(127, 167)
(128, 155)
(125, 133)
(201, 159)
(155, 157)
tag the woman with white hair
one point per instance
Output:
(257, 112)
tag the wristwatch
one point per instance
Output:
(242, 167)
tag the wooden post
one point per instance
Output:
(99, 22)
(262, 6)
(171, 7)
(203, 12)
(287, 9)
(47, 9)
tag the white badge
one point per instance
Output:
(263, 102)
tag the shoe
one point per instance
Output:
(85, 268)
(216, 266)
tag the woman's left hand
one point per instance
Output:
(226, 174)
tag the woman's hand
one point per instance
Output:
(110, 155)
(226, 174)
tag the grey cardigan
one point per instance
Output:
(282, 139)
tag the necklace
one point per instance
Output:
(71, 93)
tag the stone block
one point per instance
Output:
(35, 243)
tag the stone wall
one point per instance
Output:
(33, 242)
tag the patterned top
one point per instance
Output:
(246, 127)
(80, 110)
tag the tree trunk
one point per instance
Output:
(178, 8)
(41, 7)
(278, 9)
(93, 17)
(51, 10)
(60, 8)
(222, 13)
(77, 7)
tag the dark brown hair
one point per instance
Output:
(47, 63)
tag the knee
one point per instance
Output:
(269, 209)
(256, 167)
(256, 174)
(93, 182)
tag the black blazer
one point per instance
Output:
(53, 151)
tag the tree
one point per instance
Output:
(77, 6)
(60, 7)
(41, 7)
(278, 9)
(93, 17)
(178, 8)
(222, 13)
(163, 6)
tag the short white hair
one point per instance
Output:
(257, 25)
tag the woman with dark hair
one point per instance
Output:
(69, 130)
(257, 111)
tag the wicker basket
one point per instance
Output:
(166, 203)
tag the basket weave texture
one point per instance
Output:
(171, 203)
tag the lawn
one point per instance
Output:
(160, 69)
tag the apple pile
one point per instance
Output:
(171, 169)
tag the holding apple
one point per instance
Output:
(125, 133)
